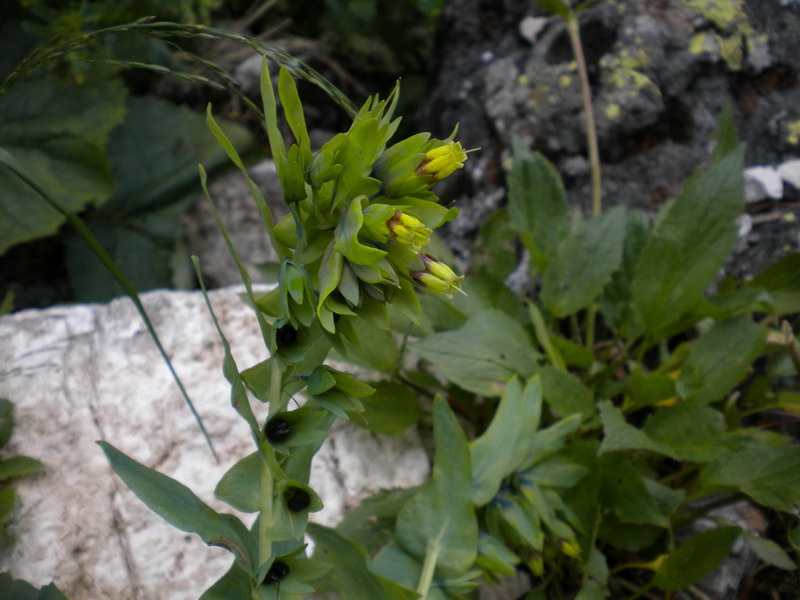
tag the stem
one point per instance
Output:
(591, 317)
(427, 570)
(265, 514)
(591, 132)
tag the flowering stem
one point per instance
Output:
(586, 94)
(266, 479)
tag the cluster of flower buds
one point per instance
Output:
(362, 218)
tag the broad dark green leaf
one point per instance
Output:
(695, 559)
(18, 466)
(514, 424)
(11, 589)
(584, 263)
(481, 356)
(57, 131)
(350, 576)
(537, 203)
(440, 518)
(6, 420)
(693, 432)
(139, 224)
(719, 359)
(623, 492)
(396, 565)
(620, 435)
(767, 474)
(566, 394)
(7, 499)
(691, 240)
(371, 523)
(178, 505)
(51, 592)
(782, 281)
(390, 410)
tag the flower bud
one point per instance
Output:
(408, 230)
(442, 161)
(437, 277)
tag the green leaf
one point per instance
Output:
(694, 432)
(695, 559)
(623, 492)
(691, 240)
(6, 420)
(724, 135)
(396, 565)
(391, 410)
(440, 518)
(372, 522)
(483, 355)
(514, 423)
(57, 131)
(350, 576)
(768, 551)
(556, 7)
(782, 281)
(240, 486)
(620, 435)
(18, 466)
(537, 203)
(179, 506)
(11, 589)
(566, 394)
(719, 359)
(51, 592)
(7, 499)
(584, 263)
(233, 585)
(766, 473)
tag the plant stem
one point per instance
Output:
(427, 570)
(591, 317)
(265, 514)
(586, 94)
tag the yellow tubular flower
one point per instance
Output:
(442, 161)
(409, 230)
(437, 277)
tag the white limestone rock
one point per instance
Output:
(761, 183)
(790, 172)
(83, 373)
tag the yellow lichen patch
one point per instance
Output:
(613, 111)
(565, 80)
(725, 14)
(522, 80)
(630, 79)
(793, 135)
(704, 43)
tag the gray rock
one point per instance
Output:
(83, 373)
(790, 172)
(761, 183)
(660, 73)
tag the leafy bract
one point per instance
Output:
(690, 241)
(481, 356)
(440, 518)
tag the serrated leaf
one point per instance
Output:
(719, 359)
(537, 203)
(623, 492)
(440, 518)
(695, 559)
(782, 281)
(584, 263)
(566, 394)
(691, 240)
(179, 506)
(693, 432)
(620, 435)
(483, 355)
